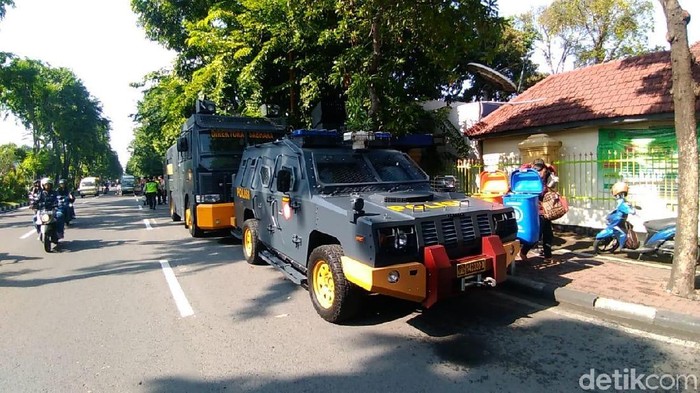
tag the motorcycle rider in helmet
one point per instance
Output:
(48, 199)
(66, 197)
(619, 191)
(34, 193)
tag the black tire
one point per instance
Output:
(250, 242)
(173, 215)
(194, 230)
(333, 296)
(609, 244)
(47, 242)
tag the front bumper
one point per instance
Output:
(438, 276)
(214, 216)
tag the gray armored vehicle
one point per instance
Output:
(345, 215)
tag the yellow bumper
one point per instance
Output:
(512, 250)
(410, 286)
(412, 283)
(214, 216)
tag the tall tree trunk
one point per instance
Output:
(373, 71)
(682, 281)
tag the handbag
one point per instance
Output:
(554, 206)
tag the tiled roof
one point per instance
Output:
(636, 86)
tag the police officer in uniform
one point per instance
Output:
(151, 190)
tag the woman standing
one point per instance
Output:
(549, 182)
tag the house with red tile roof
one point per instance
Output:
(617, 115)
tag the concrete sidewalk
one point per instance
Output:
(616, 284)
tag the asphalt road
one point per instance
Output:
(101, 315)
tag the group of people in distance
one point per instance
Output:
(154, 190)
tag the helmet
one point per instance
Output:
(619, 188)
(62, 182)
(46, 180)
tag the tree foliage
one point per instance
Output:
(3, 7)
(379, 59)
(70, 136)
(590, 31)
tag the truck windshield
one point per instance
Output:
(379, 166)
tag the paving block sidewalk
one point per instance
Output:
(617, 285)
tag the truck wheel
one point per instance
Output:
(333, 296)
(609, 244)
(191, 223)
(251, 242)
(173, 215)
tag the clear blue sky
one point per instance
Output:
(100, 41)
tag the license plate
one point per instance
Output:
(471, 267)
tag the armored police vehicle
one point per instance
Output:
(344, 214)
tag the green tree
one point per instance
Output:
(3, 7)
(590, 31)
(379, 58)
(63, 118)
(13, 178)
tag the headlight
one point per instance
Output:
(397, 240)
(207, 198)
(46, 217)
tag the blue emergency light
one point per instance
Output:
(315, 137)
(317, 133)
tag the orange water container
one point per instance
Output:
(492, 186)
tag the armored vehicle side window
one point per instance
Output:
(248, 172)
(288, 163)
(263, 174)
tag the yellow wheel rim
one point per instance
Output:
(247, 242)
(324, 286)
(188, 217)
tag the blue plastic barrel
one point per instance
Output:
(526, 186)
(526, 215)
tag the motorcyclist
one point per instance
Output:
(34, 193)
(48, 200)
(66, 198)
(622, 210)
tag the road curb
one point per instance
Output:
(4, 209)
(633, 311)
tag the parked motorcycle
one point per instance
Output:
(659, 240)
(46, 221)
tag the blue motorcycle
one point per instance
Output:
(619, 233)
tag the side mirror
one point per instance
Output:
(284, 180)
(182, 144)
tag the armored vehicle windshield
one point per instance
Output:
(348, 168)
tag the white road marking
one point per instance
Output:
(148, 224)
(26, 235)
(609, 325)
(180, 300)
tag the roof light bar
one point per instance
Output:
(317, 133)
(362, 139)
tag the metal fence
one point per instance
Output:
(585, 179)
